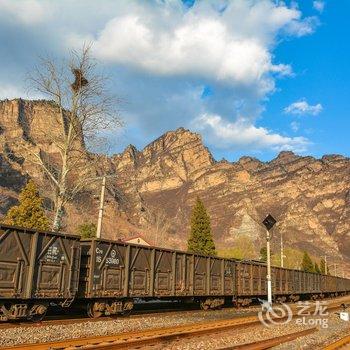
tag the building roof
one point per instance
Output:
(135, 237)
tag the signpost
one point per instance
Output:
(269, 222)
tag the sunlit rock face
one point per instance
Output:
(154, 189)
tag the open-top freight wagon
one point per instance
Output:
(105, 276)
(36, 268)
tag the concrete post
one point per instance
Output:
(268, 276)
(282, 253)
(100, 211)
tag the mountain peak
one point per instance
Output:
(286, 157)
(175, 141)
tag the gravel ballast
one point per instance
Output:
(46, 333)
(83, 329)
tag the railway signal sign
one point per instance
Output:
(269, 222)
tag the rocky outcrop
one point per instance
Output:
(155, 188)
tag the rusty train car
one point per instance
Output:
(42, 268)
(36, 268)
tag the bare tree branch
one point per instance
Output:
(84, 109)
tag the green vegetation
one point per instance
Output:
(29, 212)
(323, 267)
(306, 264)
(316, 268)
(201, 240)
(87, 230)
(263, 254)
(242, 248)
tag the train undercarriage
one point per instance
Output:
(36, 310)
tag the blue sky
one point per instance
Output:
(254, 77)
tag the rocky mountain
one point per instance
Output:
(155, 188)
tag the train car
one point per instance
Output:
(287, 284)
(36, 268)
(40, 268)
(114, 273)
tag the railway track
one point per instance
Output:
(138, 313)
(67, 319)
(166, 335)
(268, 343)
(146, 337)
(341, 344)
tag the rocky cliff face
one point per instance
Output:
(155, 188)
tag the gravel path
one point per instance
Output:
(82, 329)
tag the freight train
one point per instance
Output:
(39, 269)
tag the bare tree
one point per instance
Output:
(158, 223)
(85, 110)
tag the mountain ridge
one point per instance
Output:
(155, 188)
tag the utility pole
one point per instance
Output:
(101, 208)
(282, 254)
(268, 276)
(325, 265)
(335, 269)
(269, 222)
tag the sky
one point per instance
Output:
(253, 77)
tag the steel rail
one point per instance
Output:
(150, 336)
(146, 337)
(268, 343)
(66, 320)
(343, 344)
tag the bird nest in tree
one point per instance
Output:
(80, 80)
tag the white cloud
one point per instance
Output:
(242, 134)
(319, 5)
(10, 91)
(303, 27)
(294, 126)
(160, 54)
(28, 12)
(233, 47)
(302, 107)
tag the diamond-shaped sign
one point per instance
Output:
(269, 222)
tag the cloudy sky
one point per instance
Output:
(254, 77)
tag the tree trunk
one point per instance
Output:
(57, 222)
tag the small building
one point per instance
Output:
(137, 240)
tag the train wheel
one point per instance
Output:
(126, 313)
(37, 312)
(128, 306)
(93, 310)
(37, 318)
(204, 306)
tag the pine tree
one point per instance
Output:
(201, 240)
(323, 266)
(316, 268)
(29, 212)
(263, 254)
(307, 265)
(87, 230)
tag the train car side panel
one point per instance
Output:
(215, 271)
(37, 264)
(164, 273)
